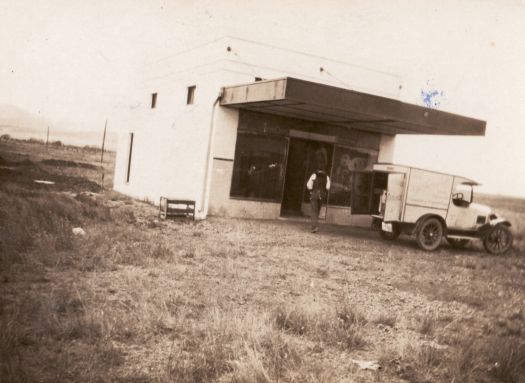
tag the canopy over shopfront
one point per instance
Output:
(317, 102)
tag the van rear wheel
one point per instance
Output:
(430, 234)
(499, 240)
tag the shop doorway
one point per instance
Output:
(304, 157)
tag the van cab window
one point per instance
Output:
(462, 196)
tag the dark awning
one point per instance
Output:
(328, 104)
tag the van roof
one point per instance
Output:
(396, 168)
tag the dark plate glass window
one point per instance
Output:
(258, 168)
(347, 164)
(361, 192)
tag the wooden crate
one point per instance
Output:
(170, 208)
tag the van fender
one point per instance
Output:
(485, 230)
(423, 218)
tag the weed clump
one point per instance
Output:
(506, 358)
(386, 320)
(294, 321)
(427, 324)
(11, 366)
(339, 328)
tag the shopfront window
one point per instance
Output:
(351, 179)
(258, 168)
(361, 192)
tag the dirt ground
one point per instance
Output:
(137, 299)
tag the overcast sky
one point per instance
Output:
(79, 62)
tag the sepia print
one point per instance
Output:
(248, 192)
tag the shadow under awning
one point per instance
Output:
(317, 102)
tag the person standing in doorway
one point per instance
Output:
(318, 184)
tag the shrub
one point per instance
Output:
(35, 140)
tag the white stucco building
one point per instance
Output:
(238, 127)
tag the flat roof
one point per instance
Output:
(322, 103)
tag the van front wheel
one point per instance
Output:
(430, 234)
(499, 240)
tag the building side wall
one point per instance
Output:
(171, 141)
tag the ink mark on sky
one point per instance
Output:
(431, 97)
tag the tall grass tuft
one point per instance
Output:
(11, 366)
(507, 359)
(340, 328)
(427, 324)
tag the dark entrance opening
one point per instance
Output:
(304, 158)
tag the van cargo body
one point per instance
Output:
(434, 205)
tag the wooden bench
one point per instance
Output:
(176, 208)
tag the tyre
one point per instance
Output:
(499, 240)
(390, 235)
(430, 234)
(457, 243)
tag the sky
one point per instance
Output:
(80, 62)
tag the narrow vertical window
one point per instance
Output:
(191, 95)
(129, 157)
(153, 100)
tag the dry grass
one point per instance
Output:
(11, 365)
(427, 324)
(386, 320)
(340, 328)
(227, 301)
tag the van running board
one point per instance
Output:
(461, 237)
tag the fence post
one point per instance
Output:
(102, 153)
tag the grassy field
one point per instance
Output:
(227, 300)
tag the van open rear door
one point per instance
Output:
(394, 197)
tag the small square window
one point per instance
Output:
(153, 100)
(191, 95)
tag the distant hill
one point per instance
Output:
(20, 123)
(15, 117)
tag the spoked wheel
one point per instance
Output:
(430, 234)
(499, 240)
(390, 235)
(457, 243)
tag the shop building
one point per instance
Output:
(239, 126)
